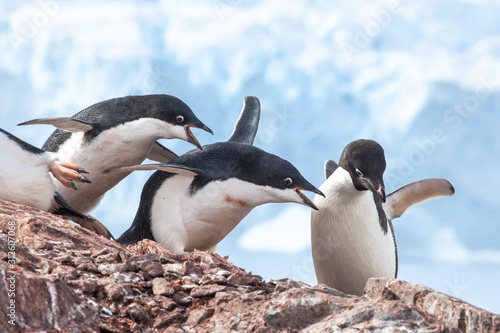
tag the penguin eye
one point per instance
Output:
(359, 173)
(179, 119)
(288, 181)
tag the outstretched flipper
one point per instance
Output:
(67, 173)
(330, 167)
(160, 153)
(64, 123)
(415, 193)
(172, 168)
(246, 127)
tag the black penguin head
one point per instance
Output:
(365, 162)
(177, 113)
(277, 180)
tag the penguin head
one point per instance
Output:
(266, 177)
(177, 114)
(364, 160)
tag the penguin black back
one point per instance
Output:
(117, 111)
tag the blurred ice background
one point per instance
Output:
(421, 78)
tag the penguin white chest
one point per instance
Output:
(126, 144)
(183, 221)
(24, 176)
(348, 243)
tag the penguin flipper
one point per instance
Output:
(64, 123)
(172, 168)
(92, 224)
(87, 222)
(160, 153)
(330, 167)
(64, 208)
(246, 127)
(415, 193)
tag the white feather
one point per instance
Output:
(348, 243)
(183, 222)
(24, 176)
(126, 144)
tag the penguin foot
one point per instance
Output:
(68, 173)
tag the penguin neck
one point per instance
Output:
(339, 187)
(340, 192)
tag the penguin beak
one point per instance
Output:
(380, 193)
(191, 138)
(306, 200)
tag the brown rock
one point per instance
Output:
(298, 309)
(137, 313)
(88, 267)
(213, 279)
(183, 298)
(69, 279)
(65, 273)
(117, 291)
(199, 315)
(108, 269)
(153, 269)
(452, 311)
(162, 287)
(176, 268)
(42, 304)
(243, 279)
(207, 290)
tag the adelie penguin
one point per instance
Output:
(199, 197)
(25, 179)
(117, 132)
(352, 234)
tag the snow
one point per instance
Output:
(420, 78)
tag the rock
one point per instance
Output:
(137, 313)
(162, 287)
(207, 290)
(108, 269)
(182, 298)
(213, 279)
(176, 268)
(197, 316)
(297, 309)
(190, 268)
(450, 310)
(242, 279)
(69, 279)
(117, 291)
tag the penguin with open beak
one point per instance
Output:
(194, 201)
(118, 131)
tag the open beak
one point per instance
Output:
(306, 200)
(191, 138)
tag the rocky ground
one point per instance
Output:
(67, 279)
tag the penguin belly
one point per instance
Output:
(25, 179)
(111, 147)
(349, 245)
(182, 221)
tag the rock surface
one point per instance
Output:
(65, 278)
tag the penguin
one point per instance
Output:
(25, 179)
(351, 232)
(194, 201)
(118, 131)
